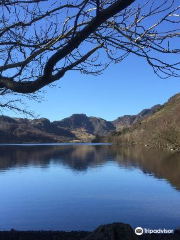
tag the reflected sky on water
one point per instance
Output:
(78, 187)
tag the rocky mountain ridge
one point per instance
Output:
(128, 120)
(76, 128)
(160, 129)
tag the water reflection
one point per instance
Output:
(161, 164)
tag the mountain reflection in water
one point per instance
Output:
(160, 164)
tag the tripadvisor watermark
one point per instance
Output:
(140, 231)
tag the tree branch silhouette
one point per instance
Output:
(39, 44)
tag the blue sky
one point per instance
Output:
(124, 88)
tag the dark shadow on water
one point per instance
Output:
(160, 164)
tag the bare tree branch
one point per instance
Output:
(41, 40)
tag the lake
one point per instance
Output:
(79, 187)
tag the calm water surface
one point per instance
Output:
(78, 187)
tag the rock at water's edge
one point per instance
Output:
(177, 231)
(114, 231)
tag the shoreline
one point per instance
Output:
(74, 235)
(120, 144)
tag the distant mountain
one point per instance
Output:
(128, 120)
(78, 127)
(157, 126)
(124, 121)
(18, 130)
(161, 128)
(91, 125)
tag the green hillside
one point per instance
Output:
(160, 129)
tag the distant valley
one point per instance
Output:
(76, 128)
(160, 128)
(129, 120)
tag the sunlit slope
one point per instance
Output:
(160, 129)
